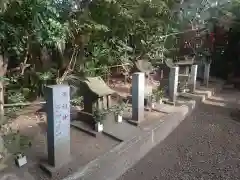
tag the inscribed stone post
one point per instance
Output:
(173, 83)
(193, 78)
(138, 84)
(206, 73)
(58, 123)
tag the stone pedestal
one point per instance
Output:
(58, 123)
(173, 84)
(138, 84)
(206, 73)
(193, 78)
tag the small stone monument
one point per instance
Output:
(193, 78)
(138, 85)
(206, 74)
(58, 123)
(173, 84)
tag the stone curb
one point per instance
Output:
(114, 163)
(118, 160)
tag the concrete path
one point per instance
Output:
(206, 146)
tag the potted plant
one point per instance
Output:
(183, 86)
(158, 95)
(183, 89)
(118, 113)
(118, 110)
(98, 118)
(152, 100)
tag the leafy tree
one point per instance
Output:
(49, 41)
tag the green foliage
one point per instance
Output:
(99, 115)
(69, 39)
(78, 101)
(16, 97)
(157, 94)
(30, 22)
(119, 107)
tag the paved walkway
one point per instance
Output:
(206, 146)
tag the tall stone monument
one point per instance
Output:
(193, 78)
(173, 84)
(138, 88)
(206, 73)
(58, 131)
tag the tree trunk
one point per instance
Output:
(1, 99)
(3, 70)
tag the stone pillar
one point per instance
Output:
(206, 74)
(187, 70)
(173, 83)
(138, 85)
(105, 105)
(100, 103)
(193, 78)
(200, 73)
(109, 101)
(58, 127)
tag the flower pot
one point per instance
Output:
(118, 118)
(20, 160)
(183, 90)
(99, 127)
(160, 101)
(152, 105)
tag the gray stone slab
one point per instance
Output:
(84, 127)
(197, 97)
(121, 131)
(208, 93)
(165, 108)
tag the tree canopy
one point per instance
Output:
(49, 41)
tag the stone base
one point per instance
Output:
(56, 171)
(167, 101)
(135, 123)
(84, 127)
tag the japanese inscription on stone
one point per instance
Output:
(62, 115)
(58, 118)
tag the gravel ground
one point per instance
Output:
(206, 146)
